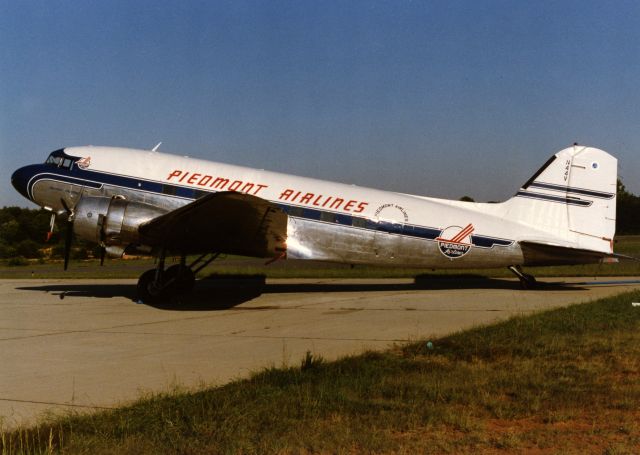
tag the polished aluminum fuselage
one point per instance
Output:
(311, 239)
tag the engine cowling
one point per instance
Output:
(111, 221)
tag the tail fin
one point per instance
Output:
(572, 197)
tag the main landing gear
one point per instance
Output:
(157, 285)
(526, 281)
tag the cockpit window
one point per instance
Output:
(59, 159)
(55, 160)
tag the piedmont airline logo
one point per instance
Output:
(454, 241)
(84, 163)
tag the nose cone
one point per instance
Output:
(20, 179)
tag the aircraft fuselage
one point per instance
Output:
(327, 221)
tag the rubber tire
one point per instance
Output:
(186, 282)
(147, 291)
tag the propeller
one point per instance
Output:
(52, 224)
(69, 235)
(103, 238)
(103, 251)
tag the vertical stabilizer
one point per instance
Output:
(572, 197)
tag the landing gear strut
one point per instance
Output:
(158, 284)
(526, 281)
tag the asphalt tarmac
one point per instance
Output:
(87, 344)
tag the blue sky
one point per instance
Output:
(434, 98)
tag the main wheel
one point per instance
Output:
(148, 290)
(179, 279)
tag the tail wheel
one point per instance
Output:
(528, 281)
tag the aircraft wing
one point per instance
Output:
(225, 222)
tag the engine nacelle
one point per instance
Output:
(111, 221)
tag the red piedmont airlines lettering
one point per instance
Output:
(288, 194)
(193, 178)
(175, 173)
(320, 200)
(219, 183)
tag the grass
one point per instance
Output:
(234, 265)
(564, 381)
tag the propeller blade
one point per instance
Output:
(103, 251)
(52, 224)
(66, 207)
(69, 236)
(67, 244)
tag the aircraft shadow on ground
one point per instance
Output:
(214, 294)
(205, 297)
(419, 284)
(97, 289)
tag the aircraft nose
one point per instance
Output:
(20, 179)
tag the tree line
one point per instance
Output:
(23, 232)
(628, 212)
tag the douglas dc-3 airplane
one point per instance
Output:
(145, 202)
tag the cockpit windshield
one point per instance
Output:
(55, 160)
(59, 159)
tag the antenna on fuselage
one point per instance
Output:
(155, 149)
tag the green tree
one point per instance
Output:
(628, 211)
(6, 251)
(23, 232)
(10, 231)
(28, 249)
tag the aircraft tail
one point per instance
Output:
(572, 198)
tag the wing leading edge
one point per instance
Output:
(225, 222)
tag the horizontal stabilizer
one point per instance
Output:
(541, 254)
